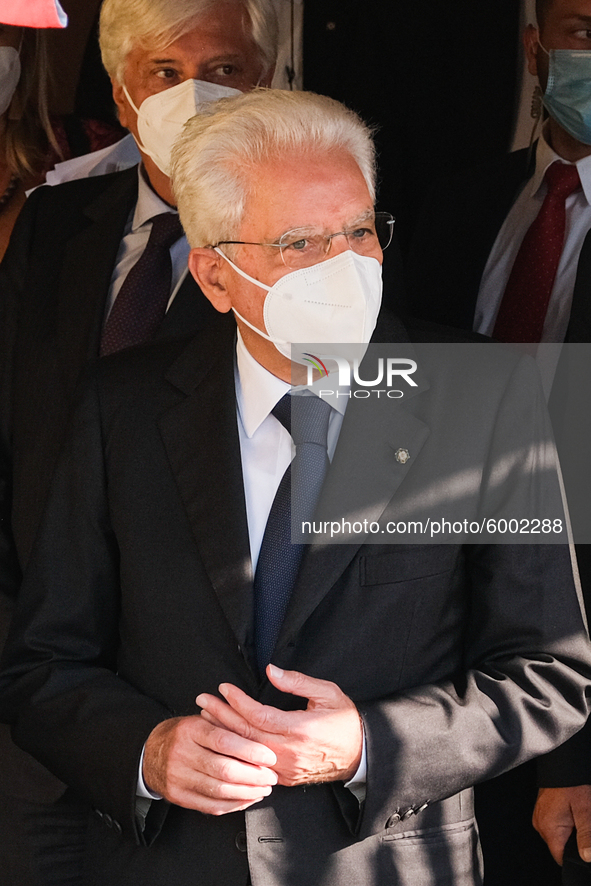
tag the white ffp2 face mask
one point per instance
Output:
(335, 301)
(10, 74)
(162, 116)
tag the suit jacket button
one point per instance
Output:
(408, 813)
(240, 841)
(117, 828)
(108, 820)
(98, 812)
(420, 808)
(393, 820)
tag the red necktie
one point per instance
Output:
(525, 302)
(141, 304)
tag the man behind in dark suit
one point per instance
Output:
(473, 224)
(462, 257)
(400, 673)
(70, 254)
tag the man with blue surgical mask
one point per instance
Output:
(479, 259)
(96, 265)
(503, 249)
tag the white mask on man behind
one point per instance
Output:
(162, 116)
(336, 301)
(10, 74)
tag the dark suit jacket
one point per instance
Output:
(453, 240)
(54, 282)
(452, 243)
(458, 226)
(139, 596)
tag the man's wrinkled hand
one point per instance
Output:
(557, 811)
(195, 764)
(322, 743)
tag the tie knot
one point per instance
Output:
(562, 179)
(306, 418)
(166, 229)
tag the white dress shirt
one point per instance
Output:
(503, 254)
(135, 238)
(266, 447)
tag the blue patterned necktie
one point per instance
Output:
(140, 306)
(306, 419)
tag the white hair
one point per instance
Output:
(218, 149)
(125, 24)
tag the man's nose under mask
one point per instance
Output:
(162, 116)
(334, 302)
(568, 97)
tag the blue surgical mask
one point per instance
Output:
(568, 92)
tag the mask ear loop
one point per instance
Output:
(536, 113)
(137, 111)
(274, 341)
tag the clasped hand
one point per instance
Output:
(233, 753)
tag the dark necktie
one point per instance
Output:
(141, 303)
(306, 418)
(523, 309)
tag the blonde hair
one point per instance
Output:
(28, 133)
(212, 158)
(125, 24)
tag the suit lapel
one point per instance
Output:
(200, 435)
(189, 312)
(491, 206)
(86, 272)
(579, 325)
(378, 475)
(363, 479)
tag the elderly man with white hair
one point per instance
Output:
(94, 266)
(237, 707)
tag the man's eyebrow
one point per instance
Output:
(579, 19)
(214, 60)
(369, 213)
(164, 61)
(224, 56)
(305, 229)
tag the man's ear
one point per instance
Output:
(121, 102)
(531, 36)
(205, 266)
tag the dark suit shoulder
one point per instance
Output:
(487, 174)
(403, 326)
(53, 214)
(49, 205)
(423, 331)
(81, 190)
(179, 361)
(458, 225)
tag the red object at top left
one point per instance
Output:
(33, 13)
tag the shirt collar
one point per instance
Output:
(258, 391)
(545, 156)
(148, 203)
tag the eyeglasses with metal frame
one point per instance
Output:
(303, 247)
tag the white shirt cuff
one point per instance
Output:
(357, 784)
(141, 789)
